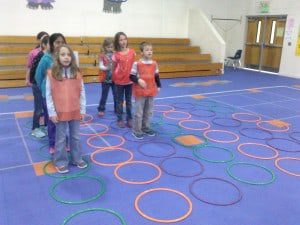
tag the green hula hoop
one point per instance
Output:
(81, 172)
(228, 169)
(191, 146)
(197, 155)
(93, 210)
(101, 192)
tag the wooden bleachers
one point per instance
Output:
(175, 56)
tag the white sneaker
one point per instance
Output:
(38, 133)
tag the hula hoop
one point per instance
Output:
(214, 121)
(175, 131)
(178, 175)
(196, 154)
(236, 116)
(206, 103)
(101, 192)
(136, 205)
(283, 150)
(121, 219)
(183, 105)
(141, 145)
(110, 164)
(81, 172)
(108, 147)
(93, 133)
(284, 170)
(220, 109)
(190, 128)
(228, 169)
(212, 113)
(137, 182)
(242, 132)
(292, 136)
(221, 131)
(171, 108)
(90, 119)
(259, 124)
(191, 146)
(239, 198)
(188, 116)
(113, 125)
(239, 148)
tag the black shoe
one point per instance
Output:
(150, 133)
(137, 136)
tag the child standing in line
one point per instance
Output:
(145, 76)
(123, 59)
(55, 41)
(37, 94)
(66, 103)
(105, 75)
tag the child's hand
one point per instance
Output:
(81, 117)
(142, 83)
(54, 119)
(158, 89)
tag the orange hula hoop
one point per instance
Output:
(284, 170)
(108, 147)
(222, 131)
(136, 205)
(239, 148)
(137, 182)
(111, 149)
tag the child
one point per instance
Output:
(123, 59)
(66, 105)
(55, 41)
(37, 94)
(105, 73)
(145, 76)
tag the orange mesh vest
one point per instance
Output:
(147, 73)
(66, 97)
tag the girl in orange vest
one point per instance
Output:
(66, 104)
(145, 76)
(123, 59)
(105, 73)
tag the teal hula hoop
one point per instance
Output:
(213, 161)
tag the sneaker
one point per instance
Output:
(38, 133)
(137, 136)
(62, 169)
(82, 164)
(101, 113)
(121, 124)
(150, 132)
(129, 123)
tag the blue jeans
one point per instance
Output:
(38, 106)
(50, 125)
(122, 90)
(60, 157)
(104, 95)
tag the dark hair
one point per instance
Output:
(41, 34)
(106, 42)
(44, 41)
(116, 40)
(53, 38)
(144, 44)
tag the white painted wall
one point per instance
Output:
(202, 33)
(140, 18)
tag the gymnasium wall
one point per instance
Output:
(148, 18)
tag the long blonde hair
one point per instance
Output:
(57, 68)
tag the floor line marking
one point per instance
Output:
(24, 142)
(15, 167)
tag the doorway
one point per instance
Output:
(264, 42)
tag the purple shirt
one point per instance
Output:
(32, 54)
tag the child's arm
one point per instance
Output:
(49, 101)
(157, 79)
(102, 66)
(82, 100)
(135, 78)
